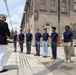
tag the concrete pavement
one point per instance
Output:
(22, 64)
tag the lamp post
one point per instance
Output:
(59, 17)
(5, 1)
(59, 22)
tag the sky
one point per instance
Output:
(16, 9)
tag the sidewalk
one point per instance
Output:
(22, 64)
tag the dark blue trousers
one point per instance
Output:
(28, 45)
(21, 45)
(37, 44)
(15, 45)
(54, 49)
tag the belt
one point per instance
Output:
(44, 40)
(53, 41)
(67, 42)
(38, 41)
(28, 41)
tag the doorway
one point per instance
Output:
(49, 28)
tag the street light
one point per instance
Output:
(5, 1)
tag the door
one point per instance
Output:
(49, 28)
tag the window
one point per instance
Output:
(48, 26)
(53, 6)
(31, 8)
(74, 26)
(43, 6)
(43, 2)
(75, 6)
(64, 6)
(52, 2)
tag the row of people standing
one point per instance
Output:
(46, 39)
(38, 39)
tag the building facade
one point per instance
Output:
(44, 14)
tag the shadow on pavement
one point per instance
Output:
(11, 67)
(56, 65)
(67, 67)
(43, 72)
(53, 65)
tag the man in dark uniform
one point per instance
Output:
(29, 38)
(37, 42)
(54, 37)
(21, 40)
(4, 33)
(45, 37)
(68, 42)
(15, 41)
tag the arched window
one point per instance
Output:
(63, 6)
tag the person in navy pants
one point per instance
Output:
(37, 42)
(29, 38)
(54, 37)
(21, 40)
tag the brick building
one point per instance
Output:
(44, 13)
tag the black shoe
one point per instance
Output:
(4, 70)
(52, 58)
(38, 54)
(14, 51)
(45, 56)
(73, 55)
(27, 53)
(35, 55)
(21, 52)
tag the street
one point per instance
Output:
(22, 64)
